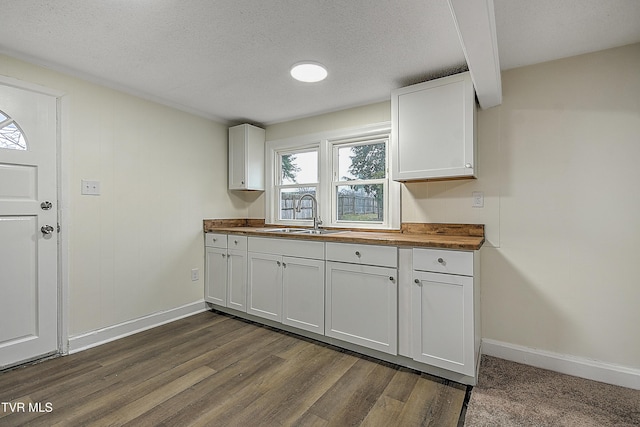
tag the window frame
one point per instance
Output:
(336, 182)
(279, 185)
(325, 142)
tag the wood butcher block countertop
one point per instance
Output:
(445, 236)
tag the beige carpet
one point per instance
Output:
(511, 394)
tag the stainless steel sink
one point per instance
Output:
(300, 231)
(319, 231)
(282, 230)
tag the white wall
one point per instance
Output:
(162, 171)
(565, 276)
(558, 165)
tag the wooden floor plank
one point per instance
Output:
(291, 388)
(214, 369)
(384, 413)
(232, 380)
(153, 399)
(402, 384)
(357, 406)
(82, 394)
(433, 402)
(73, 388)
(336, 396)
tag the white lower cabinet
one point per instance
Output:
(361, 300)
(285, 288)
(226, 270)
(303, 293)
(412, 303)
(237, 279)
(445, 328)
(215, 290)
(265, 286)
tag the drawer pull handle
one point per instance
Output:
(391, 278)
(417, 281)
(279, 263)
(224, 255)
(215, 240)
(235, 241)
(357, 253)
(284, 264)
(440, 260)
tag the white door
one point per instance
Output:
(28, 226)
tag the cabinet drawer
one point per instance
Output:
(443, 261)
(237, 242)
(287, 247)
(386, 256)
(215, 240)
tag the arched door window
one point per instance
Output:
(11, 136)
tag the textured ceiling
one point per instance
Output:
(229, 59)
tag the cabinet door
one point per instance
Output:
(237, 158)
(433, 129)
(442, 311)
(303, 293)
(361, 305)
(264, 298)
(237, 280)
(215, 290)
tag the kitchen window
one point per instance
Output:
(359, 181)
(297, 175)
(347, 171)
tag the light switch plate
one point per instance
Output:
(90, 188)
(478, 199)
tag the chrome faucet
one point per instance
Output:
(314, 209)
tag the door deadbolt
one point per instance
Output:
(46, 205)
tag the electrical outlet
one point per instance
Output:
(195, 274)
(478, 199)
(90, 188)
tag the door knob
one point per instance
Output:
(46, 205)
(47, 229)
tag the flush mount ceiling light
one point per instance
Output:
(308, 72)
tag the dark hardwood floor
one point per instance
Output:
(213, 369)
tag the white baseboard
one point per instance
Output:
(563, 363)
(102, 336)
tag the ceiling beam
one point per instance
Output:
(476, 25)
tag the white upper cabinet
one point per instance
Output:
(433, 130)
(246, 158)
